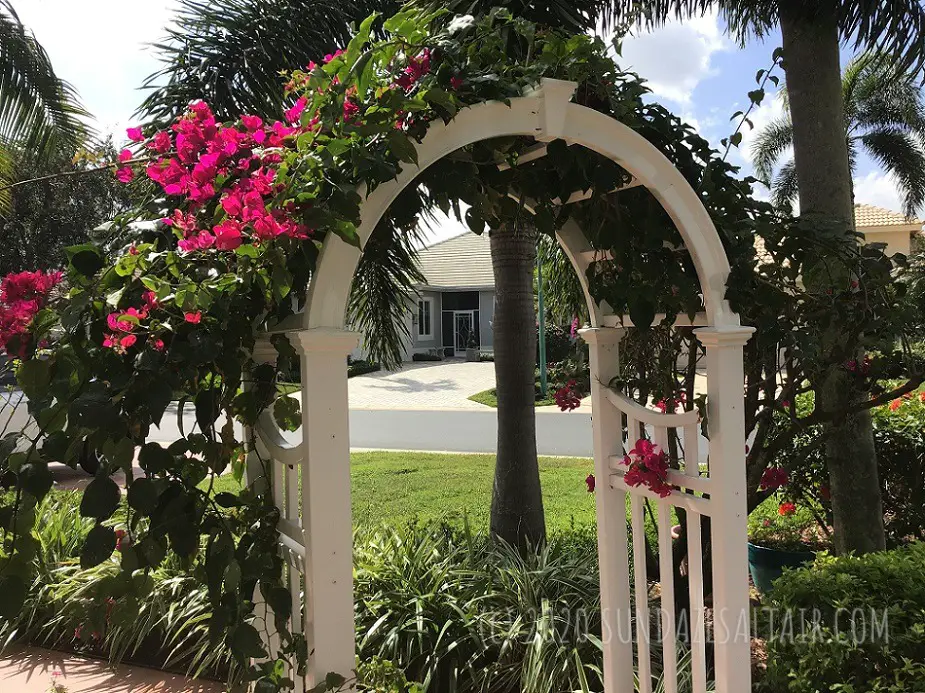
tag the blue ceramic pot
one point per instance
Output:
(766, 565)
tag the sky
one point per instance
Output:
(693, 68)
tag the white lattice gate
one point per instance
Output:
(310, 479)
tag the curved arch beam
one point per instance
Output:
(545, 114)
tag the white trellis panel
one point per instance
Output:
(696, 492)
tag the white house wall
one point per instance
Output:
(486, 316)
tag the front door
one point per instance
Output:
(462, 329)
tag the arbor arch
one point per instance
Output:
(316, 529)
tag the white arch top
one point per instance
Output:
(545, 113)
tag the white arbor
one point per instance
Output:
(316, 529)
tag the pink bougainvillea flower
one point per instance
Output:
(773, 479)
(567, 398)
(227, 235)
(895, 404)
(160, 143)
(128, 341)
(590, 481)
(125, 174)
(295, 113)
(787, 508)
(135, 134)
(455, 83)
(647, 466)
(350, 110)
(125, 155)
(150, 301)
(193, 318)
(785, 404)
(157, 344)
(251, 122)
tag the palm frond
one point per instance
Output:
(785, 188)
(885, 97)
(38, 111)
(770, 145)
(231, 54)
(384, 284)
(900, 154)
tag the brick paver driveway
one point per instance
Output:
(425, 385)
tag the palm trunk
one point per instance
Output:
(516, 503)
(811, 62)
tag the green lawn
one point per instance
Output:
(398, 487)
(490, 398)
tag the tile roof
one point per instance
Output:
(463, 261)
(869, 215)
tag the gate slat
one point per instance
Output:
(644, 661)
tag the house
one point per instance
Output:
(880, 225)
(456, 302)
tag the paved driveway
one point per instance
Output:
(424, 385)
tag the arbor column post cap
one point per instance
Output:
(325, 339)
(724, 336)
(602, 335)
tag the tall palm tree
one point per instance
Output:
(884, 116)
(39, 112)
(812, 33)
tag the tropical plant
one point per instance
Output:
(884, 115)
(812, 33)
(39, 112)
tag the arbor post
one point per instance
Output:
(612, 545)
(726, 412)
(327, 527)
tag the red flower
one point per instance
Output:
(157, 344)
(787, 508)
(648, 466)
(567, 397)
(128, 341)
(895, 404)
(194, 318)
(589, 480)
(773, 479)
(125, 174)
(135, 134)
(455, 82)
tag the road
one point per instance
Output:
(444, 430)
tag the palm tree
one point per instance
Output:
(39, 112)
(812, 33)
(884, 115)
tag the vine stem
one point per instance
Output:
(80, 172)
(767, 75)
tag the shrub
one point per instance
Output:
(426, 357)
(857, 625)
(899, 436)
(361, 367)
(558, 344)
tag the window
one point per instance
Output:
(425, 318)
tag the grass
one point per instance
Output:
(490, 398)
(400, 487)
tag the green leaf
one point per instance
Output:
(100, 499)
(736, 139)
(441, 98)
(85, 259)
(12, 595)
(206, 408)
(402, 147)
(334, 681)
(245, 642)
(34, 377)
(98, 546)
(225, 499)
(35, 478)
(153, 458)
(142, 496)
(288, 413)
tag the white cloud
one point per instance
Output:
(99, 46)
(675, 58)
(878, 188)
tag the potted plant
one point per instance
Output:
(472, 348)
(789, 539)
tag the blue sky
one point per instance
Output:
(100, 46)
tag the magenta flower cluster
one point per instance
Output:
(647, 466)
